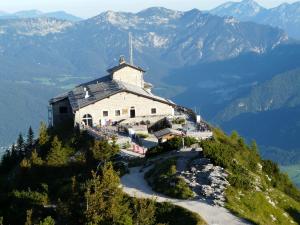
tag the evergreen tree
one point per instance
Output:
(25, 164)
(28, 217)
(6, 161)
(14, 156)
(48, 221)
(20, 146)
(105, 202)
(13, 150)
(43, 134)
(35, 159)
(57, 156)
(144, 211)
(234, 135)
(103, 151)
(254, 146)
(241, 142)
(30, 140)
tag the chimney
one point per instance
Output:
(86, 93)
(122, 60)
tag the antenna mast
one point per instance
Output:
(130, 49)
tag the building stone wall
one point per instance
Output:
(58, 116)
(124, 102)
(129, 75)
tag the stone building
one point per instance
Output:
(120, 95)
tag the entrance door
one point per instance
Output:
(132, 113)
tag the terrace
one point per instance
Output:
(139, 134)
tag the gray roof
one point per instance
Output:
(122, 65)
(59, 98)
(166, 131)
(102, 88)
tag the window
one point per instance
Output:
(87, 120)
(153, 111)
(118, 113)
(63, 109)
(105, 113)
(124, 111)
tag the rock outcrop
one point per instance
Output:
(206, 180)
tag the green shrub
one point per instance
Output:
(173, 144)
(170, 145)
(163, 178)
(154, 151)
(48, 221)
(178, 121)
(219, 153)
(170, 214)
(32, 197)
(58, 156)
(280, 180)
(126, 145)
(269, 167)
(103, 150)
(134, 162)
(240, 177)
(181, 190)
(240, 181)
(189, 141)
(141, 135)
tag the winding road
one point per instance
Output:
(135, 185)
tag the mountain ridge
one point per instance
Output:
(38, 14)
(285, 16)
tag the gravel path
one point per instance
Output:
(135, 185)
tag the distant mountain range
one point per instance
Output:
(62, 15)
(285, 16)
(200, 60)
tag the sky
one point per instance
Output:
(89, 8)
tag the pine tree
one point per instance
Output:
(43, 134)
(20, 146)
(234, 135)
(25, 164)
(14, 153)
(47, 221)
(35, 159)
(30, 140)
(144, 211)
(57, 155)
(28, 217)
(254, 146)
(105, 202)
(103, 151)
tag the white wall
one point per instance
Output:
(123, 101)
(129, 75)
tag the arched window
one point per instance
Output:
(88, 120)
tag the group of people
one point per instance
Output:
(203, 127)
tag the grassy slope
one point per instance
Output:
(294, 172)
(258, 192)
